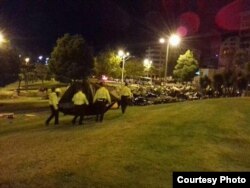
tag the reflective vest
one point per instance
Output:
(102, 93)
(53, 100)
(126, 91)
(80, 98)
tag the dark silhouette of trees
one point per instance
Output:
(9, 66)
(71, 59)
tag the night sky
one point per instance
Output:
(34, 25)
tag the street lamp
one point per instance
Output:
(124, 56)
(27, 60)
(173, 40)
(2, 40)
(147, 64)
(46, 60)
(40, 57)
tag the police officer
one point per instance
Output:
(53, 103)
(58, 92)
(80, 101)
(101, 98)
(126, 95)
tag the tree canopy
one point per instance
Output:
(108, 63)
(71, 59)
(41, 71)
(186, 67)
(10, 66)
(134, 67)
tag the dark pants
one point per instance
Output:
(54, 114)
(100, 106)
(79, 110)
(124, 103)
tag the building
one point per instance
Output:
(235, 50)
(228, 49)
(234, 53)
(157, 54)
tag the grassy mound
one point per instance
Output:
(138, 149)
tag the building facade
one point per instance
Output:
(235, 50)
(157, 54)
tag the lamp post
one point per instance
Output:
(147, 64)
(3, 41)
(173, 40)
(46, 60)
(124, 56)
(27, 60)
(1, 38)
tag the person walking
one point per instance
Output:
(53, 103)
(80, 102)
(101, 99)
(126, 95)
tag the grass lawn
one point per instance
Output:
(23, 104)
(139, 149)
(33, 85)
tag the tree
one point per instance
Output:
(204, 82)
(248, 71)
(218, 82)
(71, 58)
(10, 66)
(240, 60)
(186, 67)
(134, 67)
(241, 82)
(41, 71)
(20, 79)
(26, 73)
(229, 78)
(108, 63)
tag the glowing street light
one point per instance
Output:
(147, 64)
(173, 40)
(46, 61)
(27, 60)
(2, 39)
(40, 57)
(124, 56)
(162, 40)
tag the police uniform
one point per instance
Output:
(101, 98)
(53, 103)
(125, 96)
(80, 101)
